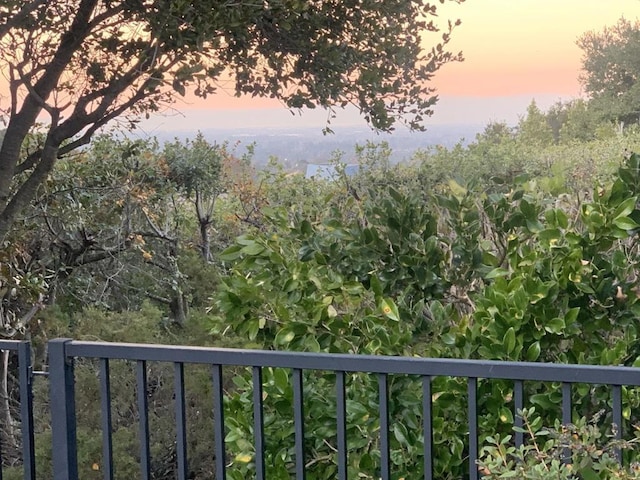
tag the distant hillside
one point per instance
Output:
(295, 147)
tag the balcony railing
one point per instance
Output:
(63, 353)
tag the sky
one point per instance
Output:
(514, 50)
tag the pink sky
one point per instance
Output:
(514, 50)
(515, 47)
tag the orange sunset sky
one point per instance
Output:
(514, 50)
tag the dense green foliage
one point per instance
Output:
(521, 245)
(528, 252)
(495, 271)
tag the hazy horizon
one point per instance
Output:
(461, 110)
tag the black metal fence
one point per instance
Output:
(63, 353)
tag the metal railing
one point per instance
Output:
(62, 353)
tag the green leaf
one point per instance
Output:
(542, 400)
(587, 473)
(284, 337)
(399, 431)
(305, 253)
(253, 249)
(529, 211)
(456, 189)
(496, 272)
(571, 316)
(389, 309)
(533, 352)
(555, 325)
(549, 234)
(305, 227)
(625, 223)
(505, 415)
(534, 226)
(509, 340)
(281, 379)
(449, 339)
(561, 217)
(231, 253)
(625, 208)
(311, 344)
(397, 196)
(376, 286)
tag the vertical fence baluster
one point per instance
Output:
(1, 461)
(341, 420)
(427, 427)
(518, 404)
(181, 421)
(2, 353)
(616, 401)
(566, 403)
(566, 415)
(258, 422)
(298, 420)
(218, 425)
(383, 389)
(63, 418)
(26, 411)
(472, 394)
(105, 408)
(143, 414)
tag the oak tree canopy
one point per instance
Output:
(72, 66)
(611, 71)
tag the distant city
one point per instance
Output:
(297, 147)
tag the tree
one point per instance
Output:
(84, 63)
(196, 169)
(611, 70)
(581, 122)
(533, 129)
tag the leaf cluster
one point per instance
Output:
(581, 450)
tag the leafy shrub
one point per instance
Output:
(508, 274)
(581, 450)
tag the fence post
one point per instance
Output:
(26, 410)
(63, 415)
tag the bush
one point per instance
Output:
(581, 450)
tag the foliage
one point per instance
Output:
(87, 62)
(197, 169)
(591, 454)
(534, 128)
(611, 70)
(113, 225)
(502, 248)
(561, 284)
(503, 272)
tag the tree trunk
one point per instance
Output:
(179, 308)
(205, 247)
(21, 122)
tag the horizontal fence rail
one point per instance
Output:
(63, 352)
(22, 349)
